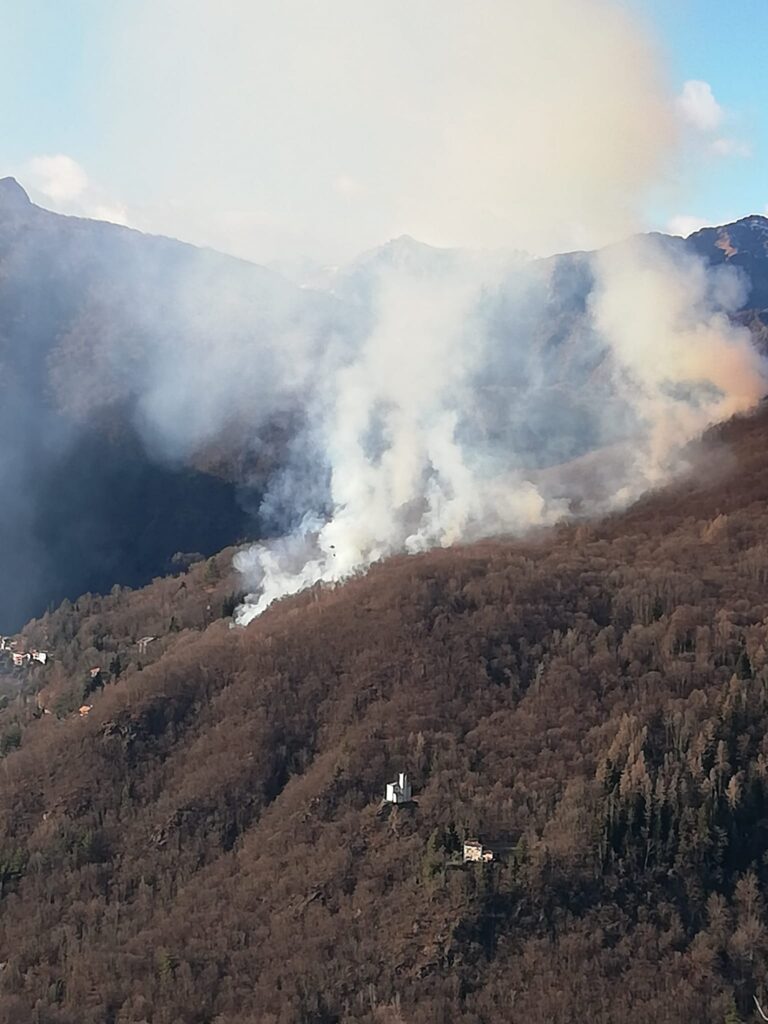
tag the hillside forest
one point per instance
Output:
(208, 845)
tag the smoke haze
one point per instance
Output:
(415, 396)
(434, 431)
(448, 424)
(324, 128)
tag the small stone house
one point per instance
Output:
(474, 851)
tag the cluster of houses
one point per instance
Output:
(9, 649)
(401, 792)
(8, 646)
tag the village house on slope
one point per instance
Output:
(399, 792)
(24, 657)
(476, 852)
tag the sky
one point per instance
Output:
(319, 129)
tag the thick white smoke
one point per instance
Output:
(455, 390)
(683, 363)
(402, 478)
(419, 454)
(427, 396)
(470, 386)
(329, 127)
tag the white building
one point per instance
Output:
(475, 851)
(399, 792)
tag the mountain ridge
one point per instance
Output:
(88, 311)
(120, 347)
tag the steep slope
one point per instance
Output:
(548, 390)
(742, 244)
(208, 843)
(111, 348)
(150, 392)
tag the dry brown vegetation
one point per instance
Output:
(206, 847)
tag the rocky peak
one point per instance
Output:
(12, 195)
(13, 200)
(745, 237)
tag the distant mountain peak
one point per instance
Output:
(402, 247)
(740, 241)
(754, 220)
(409, 240)
(12, 194)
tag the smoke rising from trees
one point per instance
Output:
(470, 386)
(423, 435)
(430, 395)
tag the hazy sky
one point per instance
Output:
(322, 127)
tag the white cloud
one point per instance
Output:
(684, 224)
(704, 116)
(115, 214)
(697, 106)
(731, 147)
(62, 184)
(58, 177)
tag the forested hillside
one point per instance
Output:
(207, 844)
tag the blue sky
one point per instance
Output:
(52, 60)
(724, 45)
(303, 132)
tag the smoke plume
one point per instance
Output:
(408, 457)
(423, 434)
(476, 382)
(417, 396)
(683, 363)
(325, 128)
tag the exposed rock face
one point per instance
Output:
(741, 244)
